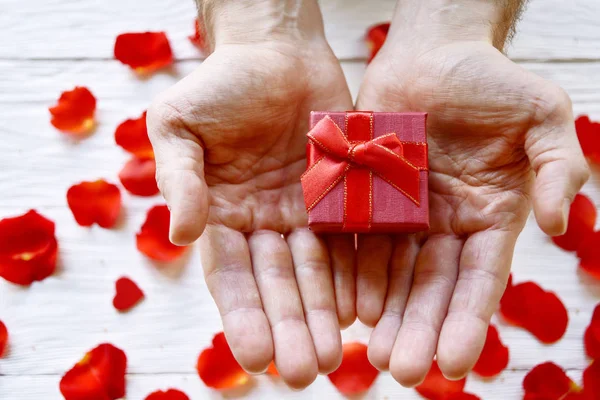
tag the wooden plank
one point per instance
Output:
(505, 387)
(72, 29)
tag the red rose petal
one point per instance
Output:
(197, 38)
(3, 338)
(375, 38)
(589, 254)
(591, 381)
(494, 357)
(138, 177)
(170, 394)
(96, 202)
(28, 248)
(437, 387)
(582, 219)
(144, 52)
(547, 381)
(588, 133)
(153, 238)
(100, 375)
(132, 135)
(272, 369)
(462, 396)
(591, 337)
(355, 374)
(218, 368)
(540, 312)
(74, 111)
(128, 294)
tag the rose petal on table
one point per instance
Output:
(591, 381)
(218, 368)
(591, 337)
(198, 38)
(548, 381)
(145, 52)
(132, 136)
(153, 238)
(127, 295)
(437, 387)
(138, 177)
(589, 254)
(355, 374)
(169, 394)
(28, 248)
(100, 375)
(494, 356)
(582, 219)
(588, 133)
(3, 338)
(97, 202)
(74, 111)
(462, 396)
(375, 38)
(540, 312)
(272, 369)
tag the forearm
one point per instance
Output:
(241, 21)
(451, 20)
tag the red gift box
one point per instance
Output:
(367, 172)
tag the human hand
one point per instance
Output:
(230, 145)
(499, 138)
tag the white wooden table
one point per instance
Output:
(50, 46)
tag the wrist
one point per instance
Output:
(259, 21)
(432, 23)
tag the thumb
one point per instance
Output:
(561, 170)
(179, 172)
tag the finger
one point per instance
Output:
(372, 258)
(561, 169)
(228, 273)
(435, 274)
(179, 172)
(483, 273)
(295, 356)
(401, 268)
(342, 254)
(313, 274)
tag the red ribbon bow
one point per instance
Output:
(333, 157)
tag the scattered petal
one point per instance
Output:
(272, 369)
(3, 338)
(170, 394)
(591, 381)
(540, 312)
(355, 374)
(588, 133)
(437, 387)
(547, 381)
(96, 202)
(28, 248)
(218, 368)
(589, 254)
(153, 238)
(494, 357)
(128, 294)
(591, 337)
(144, 52)
(198, 38)
(100, 375)
(582, 219)
(462, 396)
(375, 38)
(138, 177)
(74, 111)
(132, 135)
